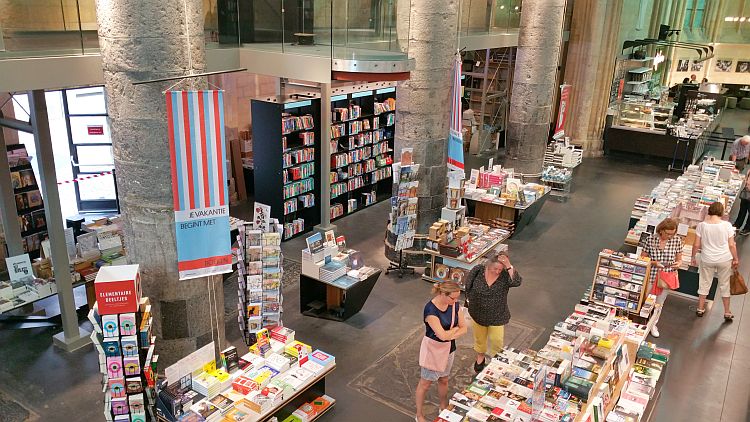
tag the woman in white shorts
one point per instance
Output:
(718, 255)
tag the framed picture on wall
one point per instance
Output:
(682, 65)
(696, 66)
(743, 66)
(723, 65)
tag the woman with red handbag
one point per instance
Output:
(665, 250)
(444, 323)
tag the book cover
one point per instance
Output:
(118, 289)
(110, 326)
(116, 387)
(132, 366)
(315, 243)
(129, 346)
(127, 324)
(133, 385)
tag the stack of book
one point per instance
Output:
(331, 271)
(122, 336)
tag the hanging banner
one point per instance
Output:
(562, 114)
(201, 201)
(455, 137)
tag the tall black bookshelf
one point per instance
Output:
(364, 132)
(273, 176)
(28, 197)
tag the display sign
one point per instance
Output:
(117, 289)
(562, 113)
(19, 267)
(199, 174)
(95, 129)
(455, 136)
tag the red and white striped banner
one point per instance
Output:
(104, 173)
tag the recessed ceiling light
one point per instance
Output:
(742, 19)
(728, 19)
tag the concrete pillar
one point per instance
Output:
(588, 68)
(534, 84)
(423, 106)
(143, 40)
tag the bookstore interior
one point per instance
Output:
(315, 160)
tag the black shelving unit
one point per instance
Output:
(29, 203)
(377, 123)
(268, 153)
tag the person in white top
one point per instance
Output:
(718, 254)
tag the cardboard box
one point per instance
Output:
(118, 289)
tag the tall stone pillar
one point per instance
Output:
(144, 40)
(423, 108)
(588, 68)
(534, 84)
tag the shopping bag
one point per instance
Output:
(737, 284)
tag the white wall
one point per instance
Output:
(735, 52)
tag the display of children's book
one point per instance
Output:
(122, 336)
(251, 387)
(259, 265)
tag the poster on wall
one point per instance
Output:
(562, 113)
(696, 66)
(743, 66)
(201, 201)
(682, 65)
(723, 65)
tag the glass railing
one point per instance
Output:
(479, 17)
(47, 27)
(357, 29)
(352, 29)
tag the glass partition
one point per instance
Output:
(370, 29)
(484, 17)
(47, 27)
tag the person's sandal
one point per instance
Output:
(729, 317)
(700, 312)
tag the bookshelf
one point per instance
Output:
(28, 197)
(621, 281)
(286, 150)
(362, 134)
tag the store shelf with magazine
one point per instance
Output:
(286, 148)
(28, 197)
(595, 366)
(362, 136)
(685, 199)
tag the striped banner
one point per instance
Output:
(199, 174)
(455, 138)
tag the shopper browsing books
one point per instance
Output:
(665, 251)
(444, 323)
(487, 297)
(744, 209)
(740, 151)
(718, 254)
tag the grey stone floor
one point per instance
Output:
(707, 379)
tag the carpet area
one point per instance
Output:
(393, 377)
(12, 411)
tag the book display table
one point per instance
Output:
(685, 199)
(451, 268)
(337, 300)
(520, 215)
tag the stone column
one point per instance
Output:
(588, 68)
(534, 84)
(423, 106)
(144, 40)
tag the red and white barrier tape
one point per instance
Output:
(85, 178)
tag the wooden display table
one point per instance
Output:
(521, 215)
(333, 300)
(446, 268)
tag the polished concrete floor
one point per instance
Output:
(706, 380)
